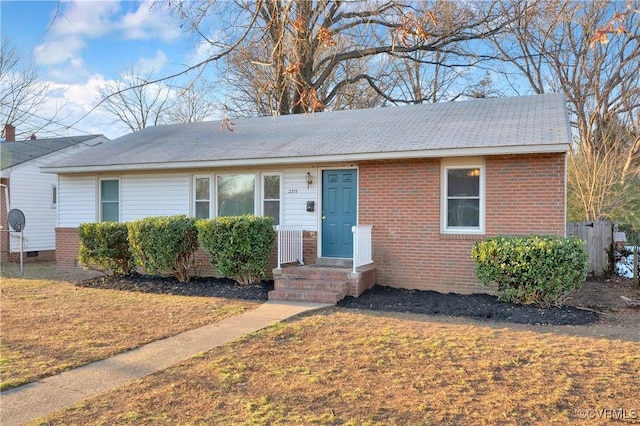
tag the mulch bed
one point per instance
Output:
(208, 287)
(476, 306)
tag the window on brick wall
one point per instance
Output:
(463, 197)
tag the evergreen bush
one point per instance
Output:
(164, 244)
(239, 246)
(104, 247)
(537, 270)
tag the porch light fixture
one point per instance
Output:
(309, 180)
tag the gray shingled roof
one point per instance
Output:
(17, 152)
(478, 127)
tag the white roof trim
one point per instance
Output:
(450, 152)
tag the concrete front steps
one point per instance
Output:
(321, 283)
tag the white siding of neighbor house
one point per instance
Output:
(31, 192)
(76, 200)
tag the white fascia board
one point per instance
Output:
(393, 155)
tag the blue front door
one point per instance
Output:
(339, 205)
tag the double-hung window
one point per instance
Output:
(110, 200)
(463, 198)
(271, 197)
(202, 207)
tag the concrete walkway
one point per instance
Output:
(35, 400)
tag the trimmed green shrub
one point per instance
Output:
(537, 270)
(164, 243)
(238, 246)
(104, 247)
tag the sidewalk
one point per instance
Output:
(35, 400)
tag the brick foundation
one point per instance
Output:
(29, 257)
(67, 246)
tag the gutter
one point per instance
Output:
(397, 155)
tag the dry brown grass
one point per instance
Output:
(345, 367)
(49, 325)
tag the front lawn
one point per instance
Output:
(50, 325)
(365, 368)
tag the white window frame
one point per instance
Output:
(256, 188)
(54, 196)
(100, 202)
(194, 197)
(262, 192)
(462, 163)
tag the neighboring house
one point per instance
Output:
(25, 188)
(430, 179)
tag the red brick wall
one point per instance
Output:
(67, 245)
(309, 247)
(525, 194)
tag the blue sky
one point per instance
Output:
(80, 45)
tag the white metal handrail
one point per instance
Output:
(362, 254)
(289, 244)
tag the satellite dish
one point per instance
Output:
(16, 219)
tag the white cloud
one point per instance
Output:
(147, 22)
(152, 65)
(73, 105)
(87, 18)
(59, 50)
(203, 51)
(79, 21)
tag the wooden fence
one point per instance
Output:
(599, 237)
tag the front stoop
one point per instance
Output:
(320, 284)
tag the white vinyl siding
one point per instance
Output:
(146, 195)
(295, 196)
(31, 193)
(76, 200)
(165, 194)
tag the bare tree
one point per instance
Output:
(22, 94)
(299, 46)
(553, 47)
(136, 102)
(193, 105)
